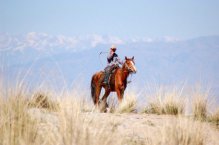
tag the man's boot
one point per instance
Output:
(106, 78)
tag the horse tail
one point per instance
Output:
(93, 88)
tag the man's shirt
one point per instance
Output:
(113, 59)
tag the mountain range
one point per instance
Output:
(60, 59)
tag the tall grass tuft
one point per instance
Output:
(42, 100)
(166, 102)
(200, 104)
(200, 108)
(15, 125)
(127, 105)
(214, 118)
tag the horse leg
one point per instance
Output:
(120, 93)
(106, 94)
(119, 96)
(103, 103)
(97, 94)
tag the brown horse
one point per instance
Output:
(117, 82)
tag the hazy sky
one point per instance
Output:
(122, 18)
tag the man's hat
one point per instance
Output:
(113, 47)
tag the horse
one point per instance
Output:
(117, 82)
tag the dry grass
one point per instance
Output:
(183, 132)
(200, 104)
(214, 118)
(128, 105)
(15, 124)
(200, 108)
(78, 129)
(42, 120)
(42, 100)
(166, 102)
(178, 131)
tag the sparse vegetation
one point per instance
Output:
(166, 102)
(128, 105)
(184, 132)
(177, 131)
(200, 109)
(43, 120)
(15, 125)
(214, 118)
(42, 100)
(200, 104)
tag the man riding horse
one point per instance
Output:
(113, 63)
(118, 80)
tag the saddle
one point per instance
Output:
(110, 74)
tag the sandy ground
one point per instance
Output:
(136, 127)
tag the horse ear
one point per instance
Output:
(126, 58)
(133, 58)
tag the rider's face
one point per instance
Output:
(112, 50)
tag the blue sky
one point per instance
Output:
(125, 18)
(33, 31)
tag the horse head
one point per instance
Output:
(129, 64)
